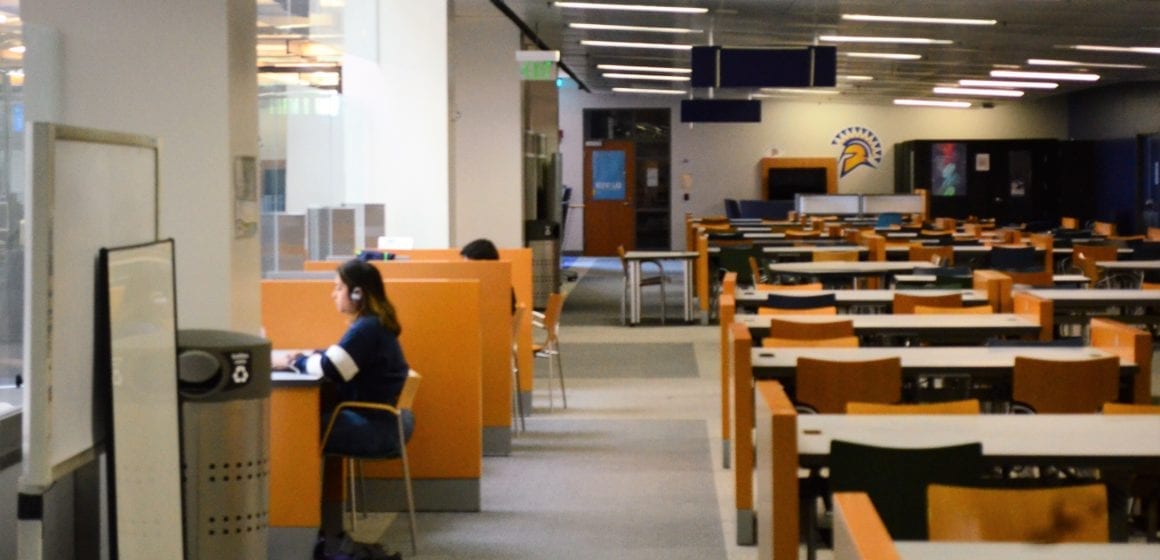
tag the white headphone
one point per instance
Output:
(356, 294)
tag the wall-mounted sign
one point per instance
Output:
(538, 66)
(608, 176)
(860, 146)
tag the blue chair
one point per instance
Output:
(887, 219)
(732, 208)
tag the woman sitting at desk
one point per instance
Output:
(368, 365)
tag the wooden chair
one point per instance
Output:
(830, 342)
(968, 406)
(657, 280)
(1149, 286)
(1065, 387)
(837, 255)
(1068, 222)
(945, 224)
(802, 234)
(1153, 234)
(905, 303)
(1122, 408)
(944, 253)
(1085, 257)
(793, 330)
(755, 271)
(1106, 229)
(352, 464)
(788, 287)
(825, 386)
(1039, 515)
(549, 348)
(973, 310)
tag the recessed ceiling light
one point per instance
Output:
(978, 91)
(897, 40)
(1007, 66)
(19, 49)
(629, 45)
(1105, 48)
(932, 103)
(815, 91)
(630, 7)
(1008, 84)
(656, 77)
(1053, 62)
(904, 19)
(890, 56)
(1045, 75)
(629, 68)
(856, 78)
(647, 90)
(604, 27)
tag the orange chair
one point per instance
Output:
(835, 255)
(973, 310)
(1085, 258)
(834, 342)
(802, 234)
(788, 287)
(1039, 515)
(549, 348)
(1065, 387)
(968, 406)
(1122, 408)
(1153, 234)
(795, 330)
(905, 303)
(826, 385)
(810, 311)
(1106, 229)
(944, 253)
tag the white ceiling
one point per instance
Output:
(1026, 29)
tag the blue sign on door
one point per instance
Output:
(608, 180)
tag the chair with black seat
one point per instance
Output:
(784, 304)
(1036, 515)
(896, 479)
(1064, 387)
(658, 280)
(352, 464)
(825, 386)
(736, 259)
(1015, 259)
(549, 348)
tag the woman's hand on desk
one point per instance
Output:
(285, 359)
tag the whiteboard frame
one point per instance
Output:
(40, 471)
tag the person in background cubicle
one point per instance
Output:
(484, 250)
(367, 364)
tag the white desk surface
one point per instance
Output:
(839, 267)
(1057, 278)
(902, 321)
(929, 357)
(861, 296)
(765, 234)
(1108, 297)
(292, 377)
(1021, 435)
(811, 249)
(924, 550)
(1129, 265)
(660, 255)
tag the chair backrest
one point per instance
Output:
(967, 406)
(732, 208)
(623, 261)
(799, 303)
(1015, 258)
(736, 259)
(831, 310)
(972, 310)
(794, 330)
(945, 253)
(1104, 228)
(1069, 222)
(1086, 256)
(517, 320)
(1035, 515)
(788, 287)
(827, 385)
(1153, 234)
(829, 342)
(801, 234)
(887, 219)
(1122, 408)
(410, 388)
(896, 479)
(552, 314)
(1065, 387)
(836, 255)
(904, 303)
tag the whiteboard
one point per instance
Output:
(88, 189)
(901, 203)
(827, 203)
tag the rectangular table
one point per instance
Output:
(935, 327)
(634, 260)
(842, 269)
(749, 298)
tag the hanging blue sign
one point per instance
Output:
(608, 177)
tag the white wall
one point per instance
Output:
(723, 158)
(183, 72)
(486, 162)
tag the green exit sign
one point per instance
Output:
(537, 70)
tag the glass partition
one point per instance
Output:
(12, 198)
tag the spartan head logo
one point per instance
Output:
(860, 146)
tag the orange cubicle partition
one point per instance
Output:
(446, 448)
(1130, 344)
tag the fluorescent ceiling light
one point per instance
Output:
(978, 91)
(1105, 48)
(897, 40)
(1008, 84)
(891, 56)
(1045, 75)
(1053, 62)
(656, 77)
(856, 78)
(628, 68)
(630, 7)
(932, 103)
(904, 19)
(646, 90)
(605, 27)
(629, 45)
(19, 49)
(802, 90)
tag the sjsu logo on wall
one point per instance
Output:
(860, 146)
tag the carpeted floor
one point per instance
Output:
(603, 360)
(595, 299)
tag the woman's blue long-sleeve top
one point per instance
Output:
(367, 363)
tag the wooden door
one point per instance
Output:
(609, 188)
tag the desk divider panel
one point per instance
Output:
(777, 473)
(1129, 343)
(998, 288)
(495, 284)
(446, 449)
(702, 274)
(739, 346)
(859, 533)
(726, 308)
(1037, 309)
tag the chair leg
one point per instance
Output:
(518, 404)
(664, 299)
(410, 490)
(351, 493)
(560, 372)
(551, 373)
